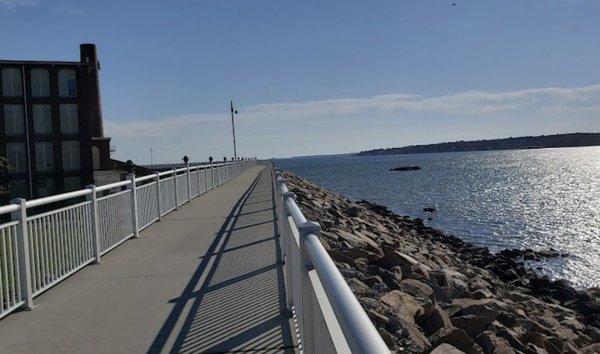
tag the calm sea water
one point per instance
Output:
(500, 199)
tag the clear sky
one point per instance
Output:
(317, 77)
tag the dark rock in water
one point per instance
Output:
(429, 210)
(406, 168)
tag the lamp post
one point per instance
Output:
(233, 112)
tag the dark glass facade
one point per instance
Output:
(50, 121)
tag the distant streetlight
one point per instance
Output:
(152, 157)
(233, 112)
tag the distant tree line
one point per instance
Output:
(525, 142)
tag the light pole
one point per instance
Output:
(152, 157)
(233, 112)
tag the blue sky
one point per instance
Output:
(314, 77)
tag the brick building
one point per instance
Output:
(51, 124)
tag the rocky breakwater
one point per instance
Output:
(428, 292)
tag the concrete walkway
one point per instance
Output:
(204, 280)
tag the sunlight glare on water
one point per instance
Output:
(547, 198)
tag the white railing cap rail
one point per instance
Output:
(112, 185)
(5, 209)
(57, 198)
(359, 331)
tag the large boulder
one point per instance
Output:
(437, 319)
(446, 348)
(403, 304)
(454, 336)
(392, 258)
(408, 331)
(491, 344)
(474, 325)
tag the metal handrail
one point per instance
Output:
(359, 332)
(101, 222)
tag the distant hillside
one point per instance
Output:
(526, 142)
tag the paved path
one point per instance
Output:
(204, 280)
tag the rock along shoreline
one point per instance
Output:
(430, 292)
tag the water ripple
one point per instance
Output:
(500, 199)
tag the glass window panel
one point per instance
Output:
(11, 82)
(42, 119)
(17, 159)
(67, 83)
(46, 187)
(44, 156)
(69, 122)
(18, 188)
(70, 156)
(40, 83)
(72, 183)
(13, 119)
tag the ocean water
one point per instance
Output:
(546, 198)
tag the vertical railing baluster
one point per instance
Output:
(23, 252)
(175, 188)
(212, 178)
(134, 207)
(93, 198)
(198, 179)
(189, 184)
(158, 206)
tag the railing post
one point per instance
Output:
(205, 178)
(23, 252)
(198, 180)
(93, 198)
(175, 188)
(134, 208)
(287, 243)
(212, 178)
(189, 182)
(158, 204)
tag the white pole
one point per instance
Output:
(93, 198)
(134, 213)
(23, 251)
(157, 179)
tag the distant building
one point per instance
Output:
(51, 124)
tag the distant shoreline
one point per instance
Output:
(518, 143)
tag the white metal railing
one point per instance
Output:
(38, 251)
(328, 316)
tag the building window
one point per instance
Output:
(16, 156)
(72, 183)
(70, 156)
(13, 119)
(18, 188)
(44, 156)
(40, 83)
(69, 122)
(67, 83)
(11, 82)
(46, 187)
(42, 119)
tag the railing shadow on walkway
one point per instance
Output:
(238, 304)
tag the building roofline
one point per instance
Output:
(39, 62)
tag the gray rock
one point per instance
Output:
(358, 287)
(416, 288)
(378, 318)
(474, 325)
(446, 348)
(437, 319)
(492, 344)
(591, 349)
(454, 336)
